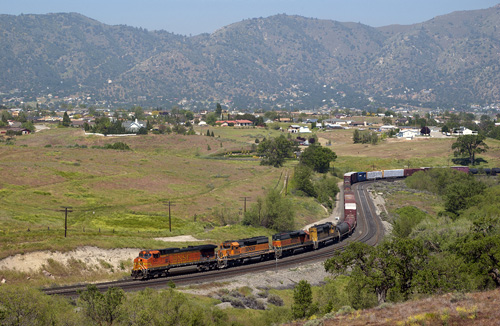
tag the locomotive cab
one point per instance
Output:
(141, 263)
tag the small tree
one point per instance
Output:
(318, 158)
(469, 145)
(274, 151)
(425, 131)
(302, 306)
(101, 308)
(356, 137)
(66, 121)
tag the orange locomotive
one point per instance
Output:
(151, 263)
(234, 252)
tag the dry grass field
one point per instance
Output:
(120, 191)
(398, 154)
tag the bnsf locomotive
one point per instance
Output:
(153, 263)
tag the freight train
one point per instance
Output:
(158, 262)
(351, 178)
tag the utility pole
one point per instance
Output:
(244, 199)
(169, 215)
(67, 209)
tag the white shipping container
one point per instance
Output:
(350, 206)
(394, 173)
(374, 175)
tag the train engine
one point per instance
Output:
(157, 262)
(321, 233)
(235, 252)
(286, 242)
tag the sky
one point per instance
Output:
(192, 17)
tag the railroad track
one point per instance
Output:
(369, 230)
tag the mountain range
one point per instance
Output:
(278, 61)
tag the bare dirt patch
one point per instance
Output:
(34, 261)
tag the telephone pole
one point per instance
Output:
(169, 215)
(244, 199)
(67, 209)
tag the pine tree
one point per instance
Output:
(302, 300)
(66, 120)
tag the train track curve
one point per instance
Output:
(369, 231)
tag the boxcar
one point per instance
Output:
(461, 168)
(350, 178)
(410, 172)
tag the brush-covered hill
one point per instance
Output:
(279, 60)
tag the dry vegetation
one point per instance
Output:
(449, 309)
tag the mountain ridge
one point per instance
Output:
(281, 60)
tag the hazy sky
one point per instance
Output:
(205, 16)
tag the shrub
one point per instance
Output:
(275, 300)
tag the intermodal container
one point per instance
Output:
(394, 173)
(373, 175)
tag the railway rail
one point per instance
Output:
(369, 230)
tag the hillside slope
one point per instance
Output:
(280, 60)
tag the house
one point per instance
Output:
(133, 126)
(408, 134)
(463, 131)
(243, 123)
(16, 131)
(294, 129)
(336, 121)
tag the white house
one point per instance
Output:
(408, 134)
(296, 129)
(133, 126)
(462, 131)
